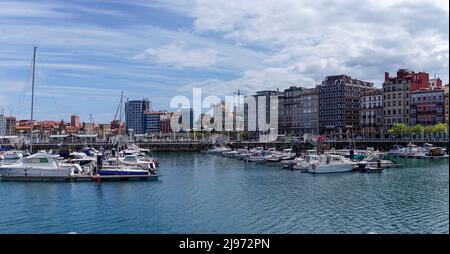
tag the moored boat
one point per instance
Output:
(13, 155)
(122, 171)
(331, 164)
(40, 164)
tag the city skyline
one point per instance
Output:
(89, 52)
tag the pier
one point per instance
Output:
(80, 178)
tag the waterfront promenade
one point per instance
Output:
(199, 145)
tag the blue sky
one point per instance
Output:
(91, 50)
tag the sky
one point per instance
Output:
(91, 50)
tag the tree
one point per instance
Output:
(428, 129)
(398, 129)
(440, 128)
(245, 135)
(417, 129)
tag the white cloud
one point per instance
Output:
(311, 39)
(21, 9)
(179, 54)
(230, 44)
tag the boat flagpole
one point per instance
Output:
(32, 101)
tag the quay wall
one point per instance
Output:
(384, 145)
(155, 147)
(200, 146)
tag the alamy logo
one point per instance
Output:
(237, 113)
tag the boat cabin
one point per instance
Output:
(41, 160)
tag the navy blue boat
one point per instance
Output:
(122, 172)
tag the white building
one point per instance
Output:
(2, 125)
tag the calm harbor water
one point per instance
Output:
(201, 193)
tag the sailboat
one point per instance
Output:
(121, 168)
(39, 164)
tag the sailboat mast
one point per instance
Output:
(120, 125)
(32, 101)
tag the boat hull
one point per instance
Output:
(11, 171)
(322, 169)
(109, 172)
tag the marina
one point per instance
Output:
(206, 193)
(333, 160)
(248, 120)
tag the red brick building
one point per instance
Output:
(75, 121)
(165, 123)
(427, 107)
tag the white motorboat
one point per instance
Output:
(287, 154)
(273, 156)
(40, 164)
(13, 155)
(312, 152)
(414, 151)
(230, 153)
(303, 165)
(375, 162)
(80, 158)
(242, 154)
(331, 164)
(398, 150)
(219, 150)
(289, 164)
(257, 157)
(139, 161)
(91, 152)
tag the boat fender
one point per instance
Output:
(152, 165)
(314, 166)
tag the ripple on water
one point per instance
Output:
(209, 194)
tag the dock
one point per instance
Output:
(81, 178)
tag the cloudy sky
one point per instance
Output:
(88, 51)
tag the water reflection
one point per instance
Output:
(202, 193)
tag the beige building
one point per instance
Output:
(104, 130)
(446, 103)
(397, 92)
(371, 113)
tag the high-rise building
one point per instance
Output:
(446, 112)
(397, 92)
(182, 120)
(339, 105)
(299, 111)
(259, 115)
(371, 113)
(2, 125)
(10, 125)
(224, 117)
(427, 107)
(75, 121)
(152, 121)
(134, 115)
